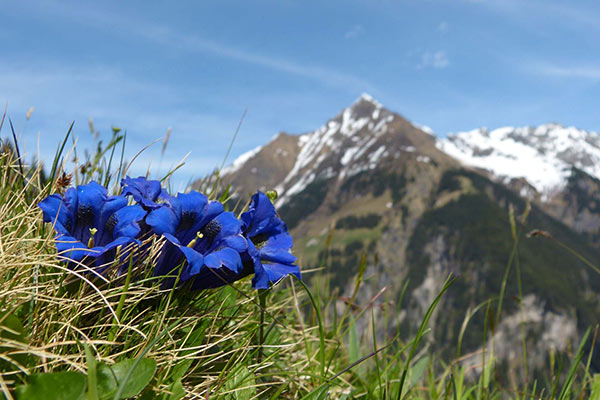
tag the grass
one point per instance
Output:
(83, 336)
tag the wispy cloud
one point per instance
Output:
(169, 38)
(354, 32)
(572, 13)
(437, 60)
(322, 74)
(581, 71)
(62, 94)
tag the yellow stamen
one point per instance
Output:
(192, 242)
(90, 243)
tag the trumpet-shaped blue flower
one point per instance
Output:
(90, 225)
(144, 192)
(269, 243)
(202, 240)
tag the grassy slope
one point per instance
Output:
(219, 343)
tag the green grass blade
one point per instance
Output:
(320, 323)
(567, 385)
(123, 383)
(58, 156)
(421, 331)
(91, 375)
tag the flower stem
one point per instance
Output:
(119, 310)
(262, 301)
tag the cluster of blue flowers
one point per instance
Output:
(205, 245)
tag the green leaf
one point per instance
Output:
(92, 376)
(354, 353)
(595, 395)
(11, 328)
(241, 382)
(321, 393)
(487, 370)
(417, 371)
(110, 377)
(177, 391)
(149, 395)
(564, 393)
(180, 369)
(353, 342)
(66, 385)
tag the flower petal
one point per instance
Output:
(107, 221)
(236, 242)
(145, 192)
(210, 278)
(69, 248)
(163, 220)
(261, 278)
(127, 221)
(172, 239)
(56, 211)
(224, 257)
(192, 213)
(271, 273)
(261, 217)
(90, 200)
(195, 262)
(228, 224)
(211, 211)
(192, 202)
(277, 249)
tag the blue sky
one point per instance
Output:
(195, 67)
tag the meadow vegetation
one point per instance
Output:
(68, 334)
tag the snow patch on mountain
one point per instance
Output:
(331, 138)
(424, 128)
(241, 160)
(542, 155)
(369, 99)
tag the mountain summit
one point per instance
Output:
(362, 137)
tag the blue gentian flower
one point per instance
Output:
(90, 225)
(202, 239)
(145, 192)
(269, 244)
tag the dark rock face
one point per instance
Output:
(578, 204)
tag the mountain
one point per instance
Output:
(362, 137)
(557, 167)
(543, 155)
(370, 183)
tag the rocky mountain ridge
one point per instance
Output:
(543, 155)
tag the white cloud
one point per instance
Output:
(437, 60)
(354, 32)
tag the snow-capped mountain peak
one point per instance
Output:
(366, 98)
(543, 155)
(353, 132)
(362, 137)
(365, 136)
